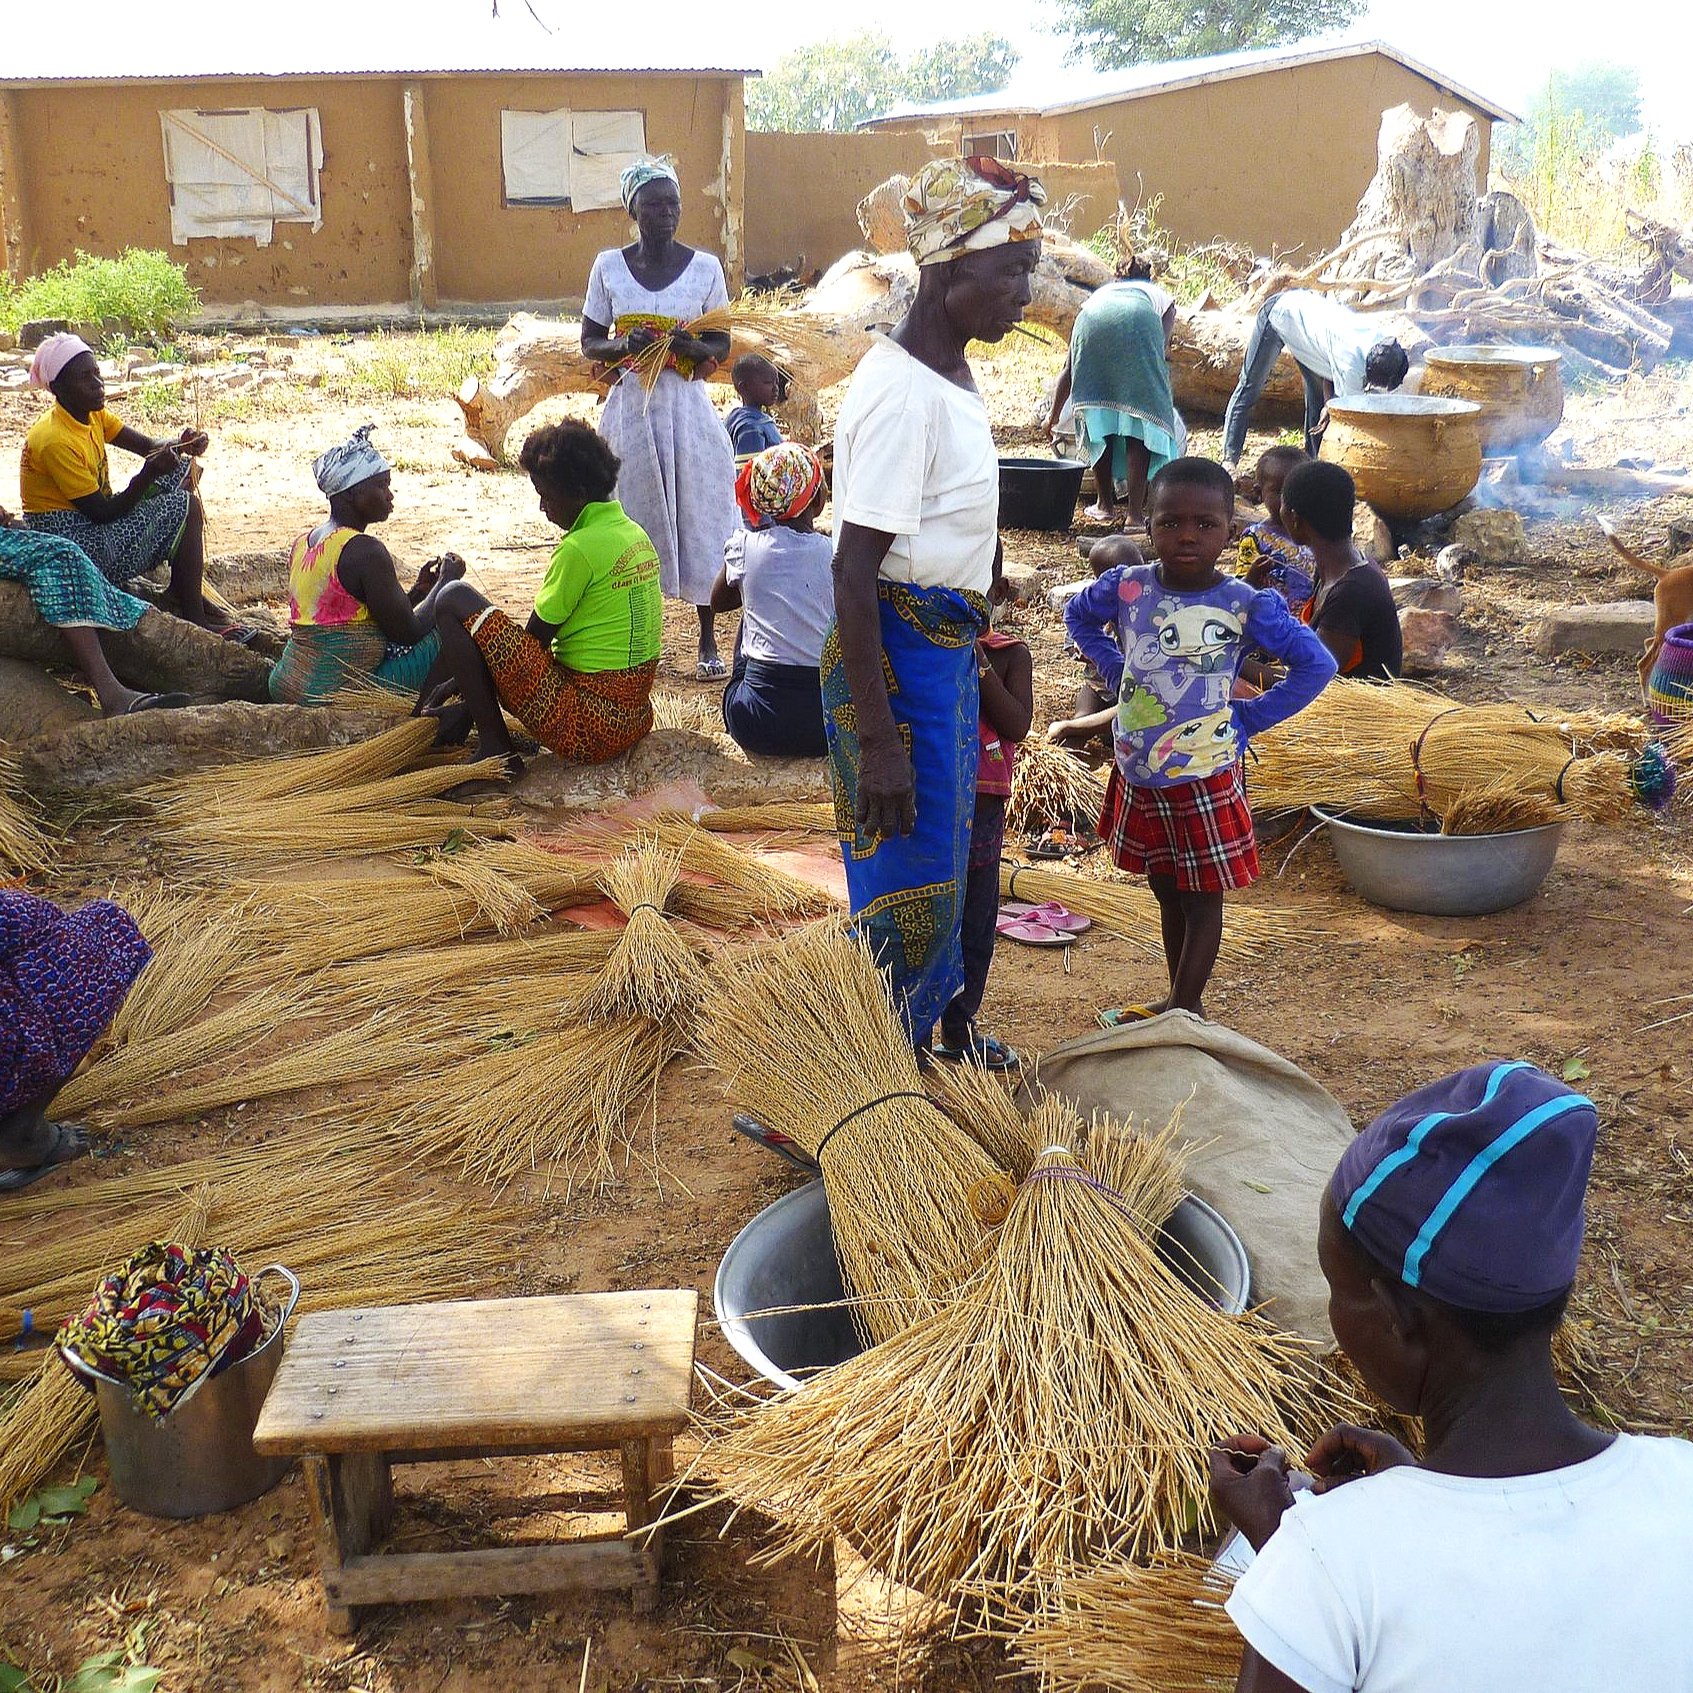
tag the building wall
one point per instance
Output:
(87, 173)
(803, 190)
(1275, 160)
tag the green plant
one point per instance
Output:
(1188, 271)
(434, 362)
(143, 290)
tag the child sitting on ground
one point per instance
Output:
(1095, 705)
(760, 386)
(1175, 808)
(1269, 556)
(1007, 672)
(1525, 1550)
(777, 572)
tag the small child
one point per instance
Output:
(1269, 556)
(1007, 672)
(1175, 808)
(760, 386)
(1095, 704)
(1524, 1549)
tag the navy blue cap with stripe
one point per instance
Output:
(1474, 1187)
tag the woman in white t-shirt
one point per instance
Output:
(677, 475)
(916, 498)
(777, 571)
(1525, 1552)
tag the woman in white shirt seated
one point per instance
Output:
(916, 557)
(777, 572)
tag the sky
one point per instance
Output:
(1500, 48)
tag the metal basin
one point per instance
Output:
(783, 1262)
(1403, 868)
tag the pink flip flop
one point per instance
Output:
(1056, 916)
(1027, 932)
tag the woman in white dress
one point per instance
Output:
(678, 470)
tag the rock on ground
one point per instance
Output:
(1427, 635)
(1620, 626)
(1496, 537)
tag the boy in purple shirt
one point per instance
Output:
(1175, 809)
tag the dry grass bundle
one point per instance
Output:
(553, 878)
(980, 1103)
(252, 782)
(771, 891)
(782, 336)
(1057, 1411)
(311, 1203)
(1129, 910)
(558, 1102)
(1496, 810)
(25, 847)
(1143, 1169)
(1050, 785)
(809, 1042)
(776, 818)
(508, 907)
(1360, 745)
(375, 1047)
(453, 972)
(700, 714)
(652, 971)
(1132, 1628)
(360, 692)
(196, 947)
(143, 1061)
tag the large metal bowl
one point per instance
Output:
(783, 1263)
(1400, 867)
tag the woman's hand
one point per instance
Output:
(1250, 1486)
(193, 442)
(640, 338)
(163, 461)
(887, 789)
(7, 521)
(1347, 1452)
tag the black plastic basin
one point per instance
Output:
(1039, 493)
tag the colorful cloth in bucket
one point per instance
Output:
(1669, 689)
(169, 1319)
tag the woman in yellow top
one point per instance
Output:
(349, 619)
(579, 677)
(66, 484)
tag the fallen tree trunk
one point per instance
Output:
(161, 654)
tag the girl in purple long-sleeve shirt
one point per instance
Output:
(1175, 809)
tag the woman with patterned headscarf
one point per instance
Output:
(677, 479)
(917, 558)
(776, 571)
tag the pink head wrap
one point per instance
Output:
(52, 356)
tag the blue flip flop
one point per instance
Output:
(986, 1052)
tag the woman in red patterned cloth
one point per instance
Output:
(63, 976)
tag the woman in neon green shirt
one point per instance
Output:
(579, 677)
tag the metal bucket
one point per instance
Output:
(200, 1458)
(783, 1262)
(1404, 869)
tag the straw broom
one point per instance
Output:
(1057, 1411)
(809, 1042)
(776, 818)
(652, 972)
(24, 845)
(1129, 1628)
(1496, 810)
(773, 891)
(697, 713)
(508, 906)
(1050, 785)
(195, 949)
(450, 972)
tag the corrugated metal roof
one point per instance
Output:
(1073, 91)
(343, 38)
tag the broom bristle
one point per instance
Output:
(24, 845)
(775, 818)
(652, 972)
(508, 907)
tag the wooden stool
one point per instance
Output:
(360, 1391)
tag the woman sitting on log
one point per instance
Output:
(350, 620)
(1118, 377)
(579, 678)
(677, 475)
(66, 482)
(71, 595)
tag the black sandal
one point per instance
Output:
(70, 1142)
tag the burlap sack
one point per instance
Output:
(1266, 1139)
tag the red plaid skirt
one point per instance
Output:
(1198, 832)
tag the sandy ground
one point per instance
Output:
(1372, 1003)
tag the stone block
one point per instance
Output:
(1059, 597)
(1619, 626)
(33, 333)
(1427, 635)
(1025, 579)
(1496, 537)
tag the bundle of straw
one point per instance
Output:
(783, 337)
(1361, 746)
(196, 947)
(1066, 1397)
(698, 713)
(24, 845)
(1496, 810)
(1132, 1628)
(771, 891)
(808, 1040)
(1050, 785)
(776, 818)
(652, 971)
(508, 907)
(457, 974)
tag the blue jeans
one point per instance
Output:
(1263, 348)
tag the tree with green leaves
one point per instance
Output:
(838, 84)
(1112, 34)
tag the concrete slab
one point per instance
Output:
(1619, 626)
